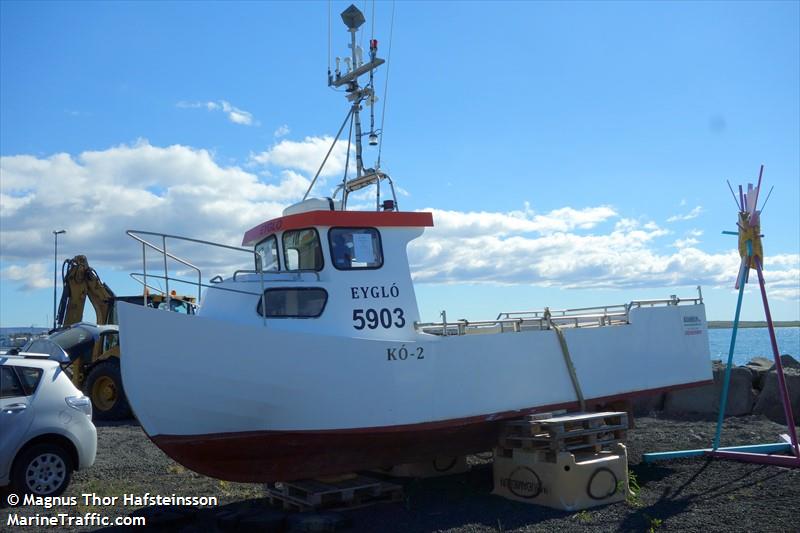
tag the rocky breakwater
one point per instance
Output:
(753, 389)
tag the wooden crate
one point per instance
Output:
(345, 493)
(579, 431)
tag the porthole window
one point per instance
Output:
(355, 248)
(299, 302)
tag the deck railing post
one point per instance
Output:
(166, 272)
(144, 273)
(263, 298)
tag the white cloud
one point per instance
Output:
(183, 190)
(32, 276)
(685, 243)
(10, 204)
(694, 213)
(481, 223)
(306, 156)
(235, 115)
(493, 248)
(282, 131)
(175, 189)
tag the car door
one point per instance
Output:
(16, 414)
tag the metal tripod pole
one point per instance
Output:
(723, 401)
(787, 406)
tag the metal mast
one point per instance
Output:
(353, 18)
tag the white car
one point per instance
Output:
(46, 422)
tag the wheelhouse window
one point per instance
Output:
(267, 254)
(302, 250)
(355, 248)
(293, 302)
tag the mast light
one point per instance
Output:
(353, 18)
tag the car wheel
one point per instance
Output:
(104, 387)
(43, 469)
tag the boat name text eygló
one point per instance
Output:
(402, 353)
(374, 292)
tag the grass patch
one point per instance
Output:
(176, 469)
(653, 523)
(633, 498)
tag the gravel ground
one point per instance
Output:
(680, 495)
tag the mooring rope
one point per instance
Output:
(562, 341)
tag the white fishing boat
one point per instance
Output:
(315, 362)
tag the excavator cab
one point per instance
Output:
(90, 354)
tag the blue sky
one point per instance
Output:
(580, 149)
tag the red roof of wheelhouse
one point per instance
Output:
(353, 219)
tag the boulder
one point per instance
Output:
(769, 401)
(705, 399)
(788, 362)
(759, 366)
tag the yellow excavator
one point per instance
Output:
(94, 350)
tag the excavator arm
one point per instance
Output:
(80, 280)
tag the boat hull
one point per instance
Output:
(267, 456)
(255, 403)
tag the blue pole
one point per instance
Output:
(723, 401)
(749, 448)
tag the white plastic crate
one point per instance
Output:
(562, 480)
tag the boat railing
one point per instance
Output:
(142, 277)
(285, 275)
(516, 321)
(606, 309)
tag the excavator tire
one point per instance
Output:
(104, 387)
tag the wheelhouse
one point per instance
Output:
(347, 271)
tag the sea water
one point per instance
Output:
(753, 342)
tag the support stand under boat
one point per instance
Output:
(750, 250)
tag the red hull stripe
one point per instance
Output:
(264, 456)
(353, 219)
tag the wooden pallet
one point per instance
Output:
(595, 442)
(347, 493)
(582, 431)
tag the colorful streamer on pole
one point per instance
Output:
(749, 229)
(752, 254)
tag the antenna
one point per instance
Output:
(353, 18)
